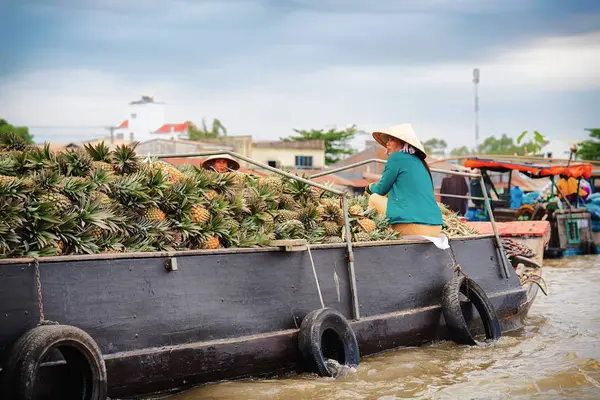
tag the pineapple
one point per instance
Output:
(238, 180)
(333, 212)
(309, 215)
(362, 237)
(60, 203)
(287, 202)
(60, 248)
(154, 214)
(267, 220)
(10, 141)
(101, 155)
(356, 210)
(333, 239)
(125, 160)
(74, 163)
(286, 215)
(231, 225)
(169, 172)
(200, 215)
(302, 192)
(97, 233)
(274, 182)
(8, 180)
(211, 243)
(331, 228)
(292, 229)
(367, 224)
(211, 194)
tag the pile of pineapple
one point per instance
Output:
(95, 200)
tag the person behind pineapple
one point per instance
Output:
(407, 182)
(221, 163)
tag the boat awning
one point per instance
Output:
(531, 170)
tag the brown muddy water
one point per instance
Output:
(556, 355)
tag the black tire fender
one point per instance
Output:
(455, 320)
(326, 334)
(80, 351)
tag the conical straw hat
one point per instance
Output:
(233, 164)
(403, 132)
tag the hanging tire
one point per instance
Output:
(455, 320)
(84, 364)
(326, 334)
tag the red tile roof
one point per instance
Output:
(124, 124)
(168, 128)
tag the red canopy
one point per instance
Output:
(533, 171)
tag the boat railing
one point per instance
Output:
(478, 176)
(344, 200)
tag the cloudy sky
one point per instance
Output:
(264, 67)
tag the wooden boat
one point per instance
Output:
(130, 324)
(571, 231)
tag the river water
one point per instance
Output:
(556, 355)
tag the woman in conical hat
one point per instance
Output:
(221, 163)
(407, 182)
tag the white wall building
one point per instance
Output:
(144, 117)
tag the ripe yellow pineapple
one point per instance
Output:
(169, 172)
(356, 210)
(211, 194)
(60, 248)
(211, 243)
(200, 215)
(154, 214)
(368, 224)
(97, 233)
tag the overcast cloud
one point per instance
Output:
(266, 67)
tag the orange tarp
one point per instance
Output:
(534, 171)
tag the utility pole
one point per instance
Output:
(476, 82)
(112, 133)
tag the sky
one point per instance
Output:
(68, 68)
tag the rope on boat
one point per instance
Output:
(457, 267)
(315, 274)
(38, 282)
(535, 279)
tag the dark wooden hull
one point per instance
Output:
(234, 313)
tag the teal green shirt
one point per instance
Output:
(407, 183)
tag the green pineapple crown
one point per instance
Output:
(99, 152)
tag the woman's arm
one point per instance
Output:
(389, 176)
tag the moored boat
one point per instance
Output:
(135, 323)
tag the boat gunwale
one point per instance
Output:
(225, 251)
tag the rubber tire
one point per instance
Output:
(79, 350)
(310, 340)
(455, 320)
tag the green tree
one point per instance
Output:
(590, 149)
(533, 146)
(435, 147)
(460, 151)
(204, 132)
(503, 145)
(336, 141)
(22, 131)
